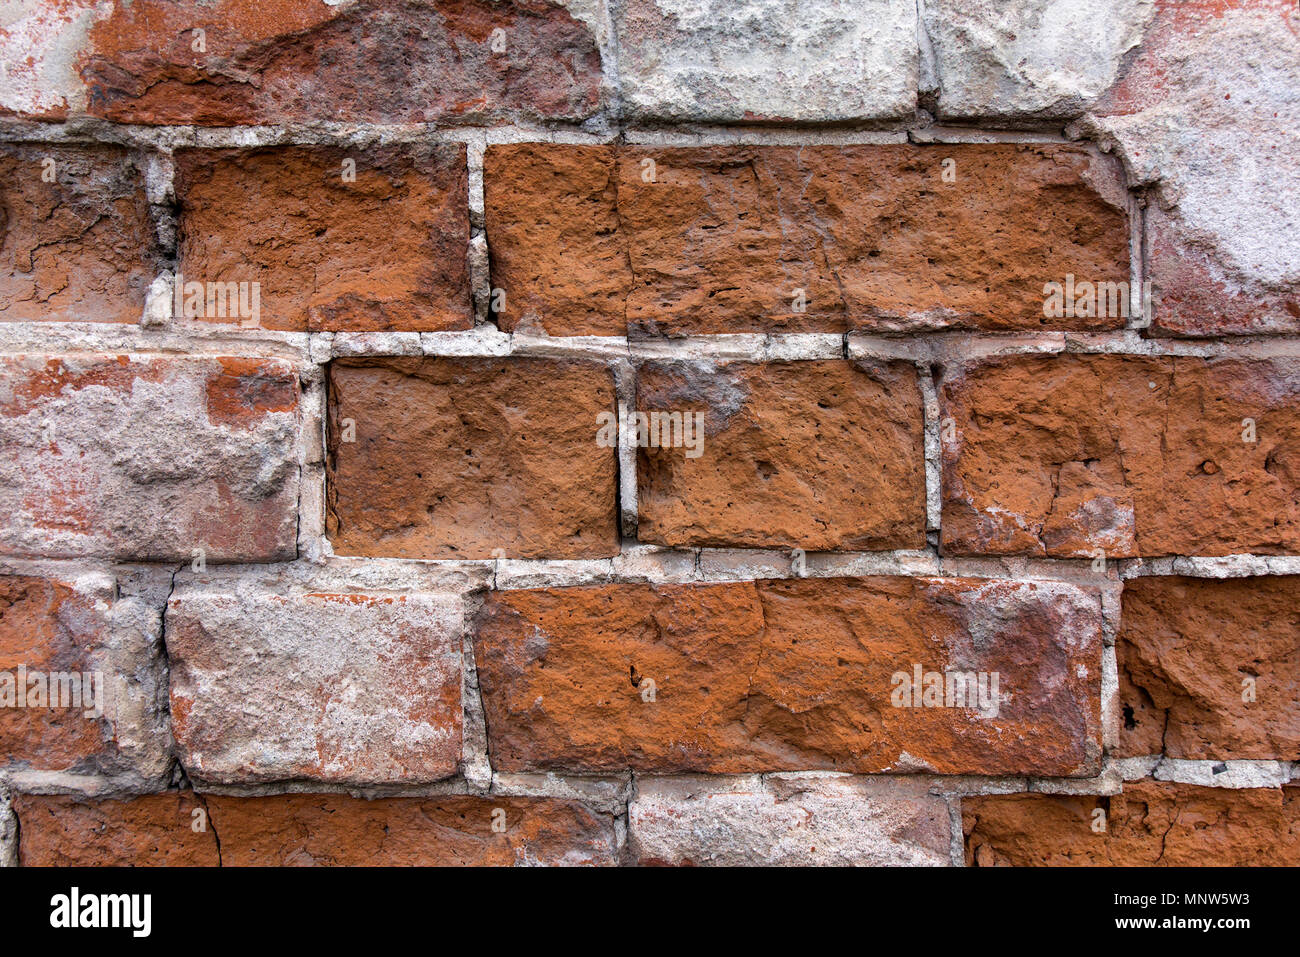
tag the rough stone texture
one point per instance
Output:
(724, 237)
(385, 251)
(1207, 115)
(326, 829)
(1185, 91)
(813, 455)
(557, 242)
(156, 830)
(1046, 59)
(47, 627)
(296, 61)
(39, 43)
(1132, 455)
(758, 60)
(353, 506)
(343, 688)
(457, 458)
(148, 458)
(1150, 823)
(81, 627)
(1185, 648)
(78, 249)
(789, 675)
(8, 831)
(792, 821)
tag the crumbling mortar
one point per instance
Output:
(476, 759)
(625, 383)
(920, 129)
(922, 346)
(932, 427)
(956, 836)
(9, 829)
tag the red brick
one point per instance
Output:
(1132, 455)
(1210, 80)
(81, 248)
(247, 389)
(1185, 650)
(347, 688)
(311, 829)
(558, 243)
(789, 675)
(45, 626)
(149, 458)
(376, 61)
(157, 830)
(455, 458)
(387, 250)
(813, 455)
(1151, 823)
(724, 236)
(1196, 296)
(328, 829)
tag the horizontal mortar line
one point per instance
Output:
(1232, 774)
(687, 136)
(599, 130)
(170, 137)
(90, 337)
(727, 565)
(637, 562)
(1241, 565)
(490, 341)
(945, 133)
(917, 346)
(731, 560)
(457, 786)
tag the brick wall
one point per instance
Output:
(630, 431)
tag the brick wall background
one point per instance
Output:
(368, 583)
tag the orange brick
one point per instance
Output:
(791, 676)
(384, 250)
(455, 458)
(80, 247)
(1071, 456)
(594, 241)
(1151, 823)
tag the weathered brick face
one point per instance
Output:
(181, 829)
(650, 432)
(1196, 299)
(457, 458)
(806, 239)
(1150, 823)
(77, 243)
(432, 832)
(155, 830)
(149, 458)
(1128, 456)
(1210, 670)
(346, 688)
(812, 455)
(797, 675)
(378, 61)
(306, 224)
(790, 822)
(45, 628)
